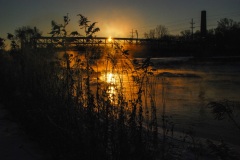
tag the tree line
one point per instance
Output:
(224, 37)
(222, 40)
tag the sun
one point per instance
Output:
(110, 39)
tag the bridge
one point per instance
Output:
(58, 42)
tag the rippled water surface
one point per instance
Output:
(189, 88)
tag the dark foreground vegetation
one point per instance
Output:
(73, 117)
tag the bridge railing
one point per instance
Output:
(44, 42)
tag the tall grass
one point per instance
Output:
(65, 102)
(94, 103)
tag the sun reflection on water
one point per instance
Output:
(111, 82)
(110, 78)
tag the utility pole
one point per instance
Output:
(136, 33)
(136, 36)
(192, 23)
(132, 33)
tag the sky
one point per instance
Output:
(116, 18)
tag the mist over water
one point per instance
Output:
(188, 90)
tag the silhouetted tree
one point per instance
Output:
(158, 33)
(226, 24)
(12, 38)
(151, 34)
(227, 33)
(161, 31)
(2, 44)
(186, 35)
(25, 34)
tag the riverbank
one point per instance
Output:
(15, 144)
(89, 124)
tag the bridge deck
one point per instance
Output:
(43, 42)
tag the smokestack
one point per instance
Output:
(203, 24)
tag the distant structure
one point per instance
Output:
(192, 23)
(203, 23)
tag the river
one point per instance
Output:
(189, 87)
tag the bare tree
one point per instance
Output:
(152, 33)
(146, 35)
(227, 24)
(186, 34)
(228, 32)
(161, 31)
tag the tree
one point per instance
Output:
(227, 33)
(186, 34)
(25, 34)
(226, 24)
(161, 31)
(152, 34)
(2, 44)
(14, 44)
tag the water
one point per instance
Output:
(190, 87)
